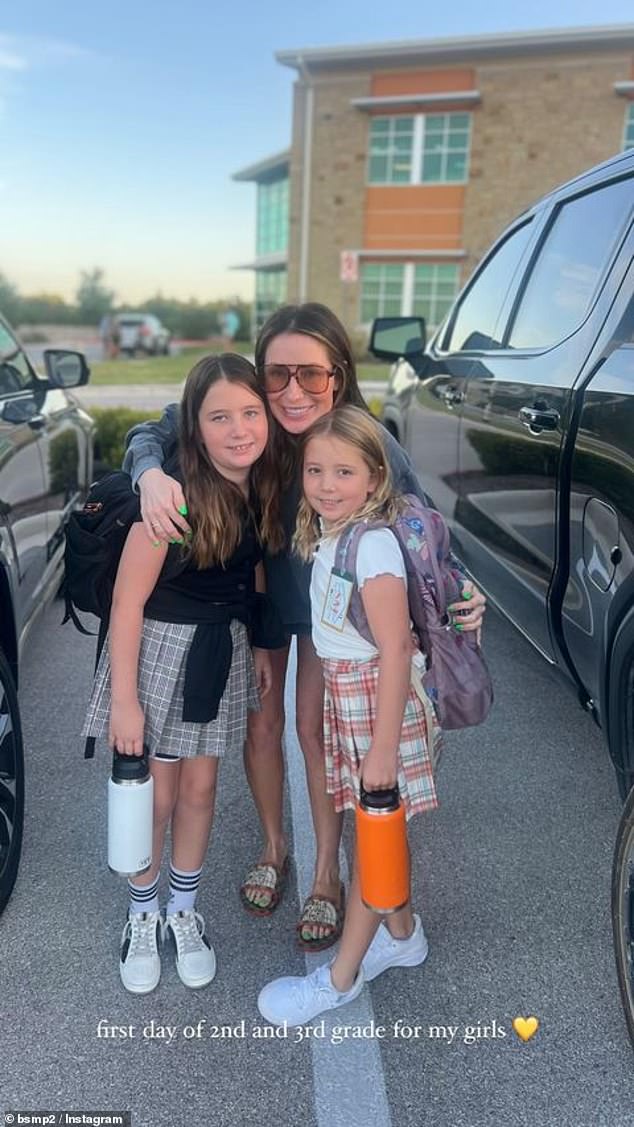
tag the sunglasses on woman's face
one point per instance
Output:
(311, 377)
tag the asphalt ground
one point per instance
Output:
(512, 878)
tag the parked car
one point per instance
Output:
(519, 418)
(142, 332)
(45, 471)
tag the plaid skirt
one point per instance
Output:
(349, 711)
(162, 659)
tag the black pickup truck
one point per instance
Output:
(519, 418)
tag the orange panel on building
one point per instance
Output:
(422, 82)
(416, 217)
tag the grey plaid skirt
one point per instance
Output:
(164, 648)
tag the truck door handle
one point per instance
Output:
(450, 396)
(37, 422)
(538, 419)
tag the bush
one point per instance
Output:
(112, 425)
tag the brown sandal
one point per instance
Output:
(325, 911)
(265, 877)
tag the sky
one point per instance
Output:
(121, 124)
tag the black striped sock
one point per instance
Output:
(144, 898)
(183, 889)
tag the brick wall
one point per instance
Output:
(540, 121)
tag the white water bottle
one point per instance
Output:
(130, 814)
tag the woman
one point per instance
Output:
(304, 359)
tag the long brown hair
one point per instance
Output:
(359, 429)
(217, 507)
(320, 323)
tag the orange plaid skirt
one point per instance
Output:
(349, 711)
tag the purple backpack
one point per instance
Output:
(457, 679)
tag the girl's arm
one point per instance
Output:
(139, 569)
(149, 445)
(261, 658)
(385, 603)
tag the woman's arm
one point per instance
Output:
(139, 569)
(385, 603)
(149, 445)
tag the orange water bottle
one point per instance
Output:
(382, 850)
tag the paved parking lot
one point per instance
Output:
(511, 876)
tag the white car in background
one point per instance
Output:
(142, 332)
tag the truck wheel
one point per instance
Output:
(621, 706)
(11, 782)
(623, 910)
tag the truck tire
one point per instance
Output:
(623, 910)
(11, 782)
(620, 697)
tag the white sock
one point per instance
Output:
(183, 890)
(143, 898)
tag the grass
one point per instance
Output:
(173, 369)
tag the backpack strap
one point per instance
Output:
(70, 614)
(89, 746)
(346, 564)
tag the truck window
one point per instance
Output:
(570, 264)
(474, 324)
(15, 371)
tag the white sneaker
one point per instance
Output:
(296, 1000)
(195, 957)
(385, 952)
(139, 960)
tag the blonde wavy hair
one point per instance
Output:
(359, 429)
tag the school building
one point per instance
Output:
(408, 159)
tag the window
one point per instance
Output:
(391, 143)
(272, 220)
(15, 372)
(381, 290)
(570, 264)
(628, 136)
(270, 293)
(435, 287)
(445, 148)
(419, 149)
(406, 289)
(474, 324)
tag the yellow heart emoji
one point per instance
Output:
(525, 1027)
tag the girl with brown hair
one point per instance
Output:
(178, 675)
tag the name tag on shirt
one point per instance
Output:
(337, 599)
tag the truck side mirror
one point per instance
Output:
(65, 368)
(393, 337)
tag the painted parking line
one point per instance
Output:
(339, 1097)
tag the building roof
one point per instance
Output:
(415, 51)
(265, 168)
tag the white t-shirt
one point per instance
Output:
(378, 554)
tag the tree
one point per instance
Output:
(94, 300)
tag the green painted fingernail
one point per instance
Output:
(177, 541)
(182, 509)
(458, 627)
(156, 543)
(466, 594)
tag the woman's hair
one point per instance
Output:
(359, 429)
(319, 322)
(217, 507)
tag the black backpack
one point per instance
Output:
(95, 536)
